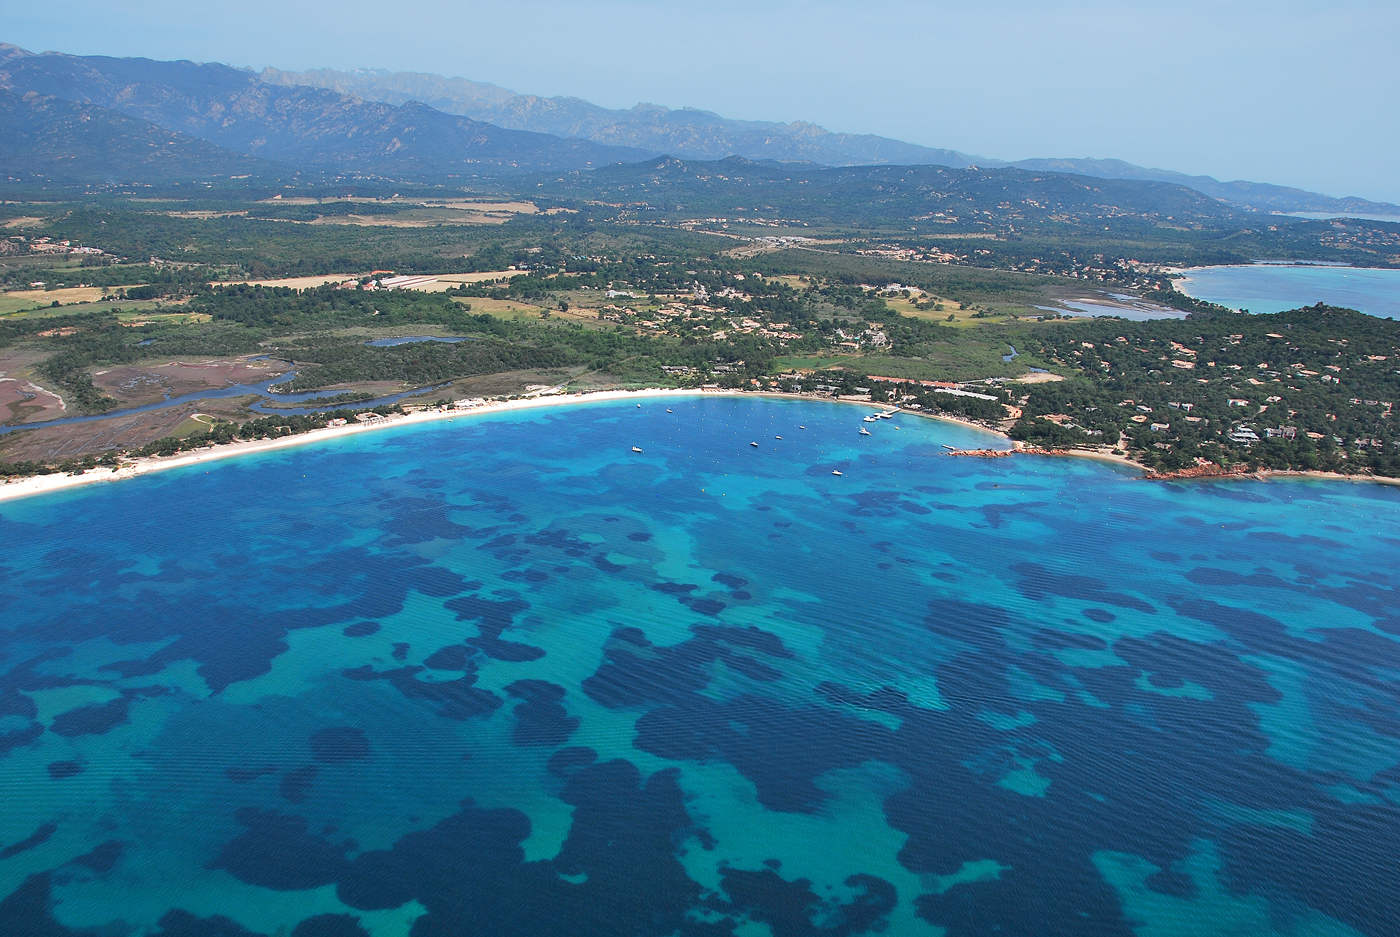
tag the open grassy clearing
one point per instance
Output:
(447, 281)
(398, 212)
(295, 283)
(119, 306)
(17, 310)
(65, 296)
(205, 215)
(502, 308)
(135, 317)
(950, 314)
(415, 218)
(442, 281)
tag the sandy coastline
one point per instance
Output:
(136, 467)
(133, 468)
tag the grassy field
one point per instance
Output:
(444, 281)
(295, 283)
(415, 218)
(141, 316)
(125, 308)
(407, 212)
(21, 300)
(950, 314)
(502, 308)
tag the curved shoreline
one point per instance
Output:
(145, 465)
(58, 481)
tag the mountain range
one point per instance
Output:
(98, 119)
(688, 133)
(298, 126)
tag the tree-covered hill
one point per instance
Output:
(50, 139)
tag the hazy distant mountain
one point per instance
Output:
(48, 139)
(301, 126)
(95, 118)
(1258, 195)
(686, 133)
(695, 134)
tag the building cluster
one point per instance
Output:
(19, 243)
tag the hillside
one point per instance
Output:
(931, 196)
(46, 139)
(309, 128)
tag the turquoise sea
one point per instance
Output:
(502, 675)
(1267, 288)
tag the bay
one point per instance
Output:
(1268, 288)
(505, 675)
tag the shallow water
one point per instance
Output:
(1268, 288)
(268, 402)
(1127, 307)
(502, 675)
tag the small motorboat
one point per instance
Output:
(777, 437)
(864, 431)
(669, 410)
(836, 472)
(754, 444)
(636, 448)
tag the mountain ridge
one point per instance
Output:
(48, 139)
(676, 131)
(689, 132)
(310, 128)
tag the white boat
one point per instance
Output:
(864, 431)
(868, 419)
(836, 471)
(639, 406)
(754, 444)
(636, 448)
(669, 410)
(777, 437)
(802, 426)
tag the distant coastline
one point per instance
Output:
(145, 465)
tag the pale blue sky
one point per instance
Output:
(1280, 92)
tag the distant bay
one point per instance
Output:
(1359, 215)
(1266, 288)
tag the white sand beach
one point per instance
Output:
(134, 467)
(145, 465)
